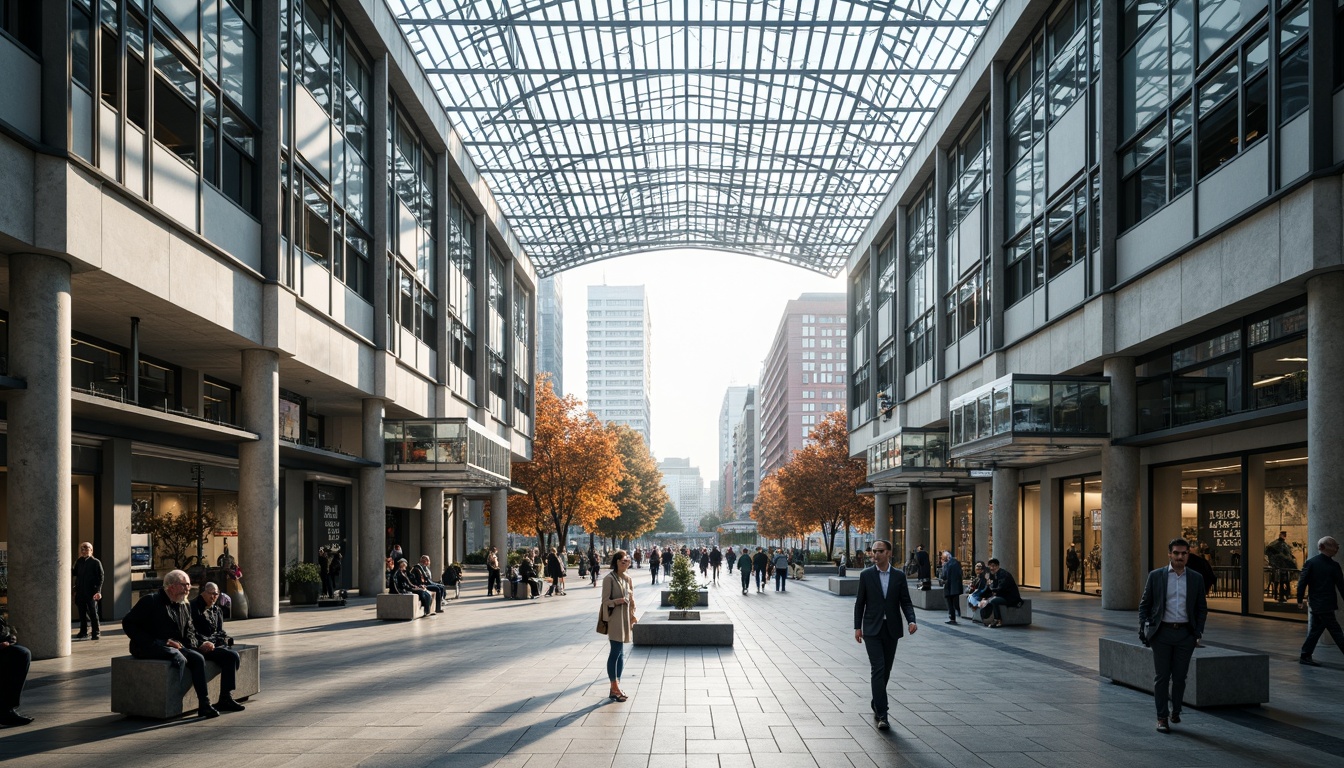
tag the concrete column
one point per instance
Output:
(259, 493)
(997, 202)
(916, 522)
(40, 547)
(1325, 409)
(372, 508)
(881, 515)
(1007, 519)
(431, 527)
(451, 526)
(1121, 572)
(499, 519)
(115, 531)
(982, 491)
(475, 525)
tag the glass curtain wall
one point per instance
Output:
(413, 227)
(885, 329)
(860, 401)
(497, 331)
(1057, 68)
(461, 231)
(522, 361)
(967, 302)
(1029, 527)
(1080, 507)
(921, 280)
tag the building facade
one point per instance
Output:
(1100, 307)
(620, 356)
(803, 377)
(746, 455)
(551, 330)
(252, 273)
(730, 415)
(686, 490)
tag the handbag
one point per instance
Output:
(602, 625)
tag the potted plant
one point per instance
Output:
(683, 592)
(304, 582)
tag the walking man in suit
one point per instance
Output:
(951, 577)
(1320, 580)
(883, 596)
(1171, 618)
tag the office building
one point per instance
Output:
(685, 488)
(730, 415)
(1105, 292)
(803, 377)
(551, 330)
(251, 273)
(746, 454)
(620, 356)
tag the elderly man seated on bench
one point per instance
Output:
(421, 578)
(400, 584)
(208, 619)
(161, 626)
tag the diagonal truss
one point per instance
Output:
(772, 128)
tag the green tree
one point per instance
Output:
(670, 522)
(683, 591)
(174, 536)
(710, 523)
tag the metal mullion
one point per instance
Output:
(794, 205)
(568, 104)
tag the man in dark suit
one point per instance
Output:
(951, 578)
(1002, 590)
(1171, 619)
(883, 596)
(923, 569)
(1321, 578)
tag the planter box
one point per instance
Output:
(713, 628)
(702, 600)
(1218, 676)
(930, 599)
(304, 592)
(683, 615)
(152, 688)
(845, 586)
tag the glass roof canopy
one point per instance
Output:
(773, 129)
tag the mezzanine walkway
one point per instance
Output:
(504, 683)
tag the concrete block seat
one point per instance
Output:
(398, 607)
(843, 585)
(516, 590)
(930, 599)
(153, 688)
(701, 600)
(1012, 617)
(655, 628)
(1218, 677)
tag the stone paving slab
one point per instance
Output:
(522, 684)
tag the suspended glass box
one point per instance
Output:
(1024, 419)
(450, 453)
(913, 456)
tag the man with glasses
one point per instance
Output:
(883, 596)
(1171, 618)
(209, 622)
(160, 626)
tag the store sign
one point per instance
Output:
(1219, 521)
(1096, 519)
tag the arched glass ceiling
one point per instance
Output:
(767, 128)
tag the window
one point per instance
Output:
(22, 21)
(920, 290)
(220, 402)
(175, 100)
(1294, 94)
(411, 186)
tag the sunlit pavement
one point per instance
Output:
(523, 683)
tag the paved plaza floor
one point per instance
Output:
(523, 683)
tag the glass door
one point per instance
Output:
(1081, 507)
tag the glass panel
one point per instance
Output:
(1286, 546)
(1279, 375)
(1294, 95)
(1143, 77)
(1031, 406)
(1207, 393)
(1030, 528)
(1003, 411)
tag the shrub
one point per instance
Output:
(474, 558)
(302, 573)
(683, 592)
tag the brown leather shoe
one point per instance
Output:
(1162, 726)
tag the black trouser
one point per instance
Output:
(1173, 645)
(1320, 623)
(88, 613)
(492, 581)
(781, 579)
(991, 606)
(227, 659)
(14, 663)
(327, 584)
(953, 606)
(746, 578)
(760, 578)
(653, 569)
(881, 655)
(439, 591)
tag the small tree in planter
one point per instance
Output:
(683, 591)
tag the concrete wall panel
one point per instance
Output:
(135, 248)
(16, 189)
(1160, 300)
(1234, 187)
(229, 227)
(1293, 143)
(1155, 238)
(1201, 279)
(1250, 255)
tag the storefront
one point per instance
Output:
(1247, 514)
(954, 527)
(1080, 516)
(1029, 528)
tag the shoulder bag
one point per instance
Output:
(602, 625)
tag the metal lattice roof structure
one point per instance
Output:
(771, 128)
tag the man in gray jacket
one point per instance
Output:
(1171, 618)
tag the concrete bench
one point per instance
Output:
(1012, 617)
(929, 599)
(701, 600)
(516, 590)
(843, 585)
(1218, 676)
(398, 607)
(153, 688)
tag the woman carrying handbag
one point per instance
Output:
(616, 618)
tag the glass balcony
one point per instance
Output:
(452, 453)
(912, 456)
(1023, 419)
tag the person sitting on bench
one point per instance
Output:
(528, 573)
(421, 577)
(1002, 591)
(401, 585)
(208, 619)
(452, 577)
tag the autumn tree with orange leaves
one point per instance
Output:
(574, 475)
(642, 497)
(816, 489)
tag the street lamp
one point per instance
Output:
(198, 474)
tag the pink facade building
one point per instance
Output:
(804, 375)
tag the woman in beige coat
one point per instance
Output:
(618, 608)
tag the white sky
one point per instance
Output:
(714, 316)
